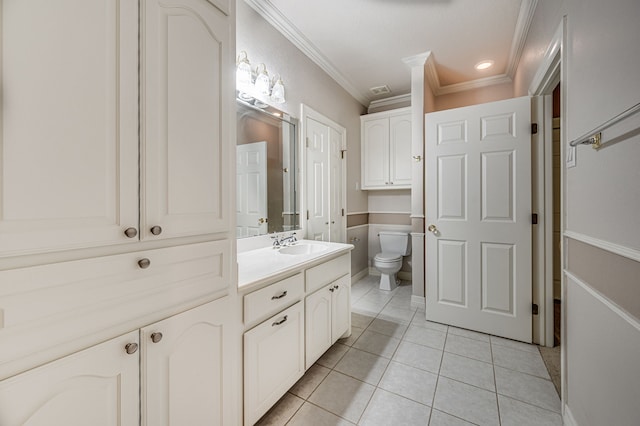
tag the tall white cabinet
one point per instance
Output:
(386, 149)
(117, 250)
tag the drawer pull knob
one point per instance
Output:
(131, 348)
(144, 263)
(332, 289)
(280, 296)
(336, 287)
(156, 337)
(130, 232)
(156, 230)
(280, 322)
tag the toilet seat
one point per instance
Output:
(388, 257)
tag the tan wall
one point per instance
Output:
(481, 95)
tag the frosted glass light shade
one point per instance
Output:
(277, 93)
(262, 84)
(243, 73)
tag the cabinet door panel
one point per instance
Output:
(69, 114)
(273, 360)
(341, 308)
(317, 324)
(186, 375)
(400, 150)
(186, 104)
(375, 158)
(97, 386)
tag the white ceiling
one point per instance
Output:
(362, 43)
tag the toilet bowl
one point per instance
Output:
(394, 246)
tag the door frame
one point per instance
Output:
(550, 72)
(307, 112)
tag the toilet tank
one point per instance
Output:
(395, 242)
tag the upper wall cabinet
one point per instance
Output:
(69, 141)
(185, 70)
(386, 149)
(75, 170)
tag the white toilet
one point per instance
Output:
(394, 245)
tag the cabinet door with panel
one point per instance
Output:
(327, 318)
(69, 114)
(186, 72)
(273, 360)
(386, 150)
(186, 374)
(400, 150)
(96, 386)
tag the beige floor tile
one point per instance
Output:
(355, 333)
(467, 370)
(409, 382)
(377, 343)
(516, 413)
(282, 411)
(466, 402)
(469, 334)
(360, 320)
(343, 396)
(526, 388)
(419, 356)
(310, 414)
(387, 409)
(425, 336)
(393, 328)
(333, 355)
(525, 362)
(438, 418)
(468, 347)
(310, 381)
(362, 366)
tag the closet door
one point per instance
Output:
(186, 92)
(69, 124)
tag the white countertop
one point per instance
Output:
(262, 264)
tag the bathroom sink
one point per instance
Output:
(303, 248)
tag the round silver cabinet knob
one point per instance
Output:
(130, 232)
(144, 263)
(131, 348)
(156, 337)
(156, 230)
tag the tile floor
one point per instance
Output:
(398, 369)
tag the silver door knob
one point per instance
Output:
(131, 348)
(156, 337)
(130, 232)
(144, 263)
(156, 230)
(432, 228)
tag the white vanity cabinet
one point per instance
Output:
(327, 318)
(96, 386)
(181, 357)
(185, 374)
(386, 149)
(273, 360)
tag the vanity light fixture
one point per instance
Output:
(255, 86)
(483, 65)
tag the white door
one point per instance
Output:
(69, 132)
(185, 375)
(478, 205)
(400, 150)
(97, 386)
(251, 195)
(375, 161)
(317, 182)
(185, 75)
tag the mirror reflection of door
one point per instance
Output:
(251, 201)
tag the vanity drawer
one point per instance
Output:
(267, 301)
(323, 274)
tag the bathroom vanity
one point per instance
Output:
(295, 305)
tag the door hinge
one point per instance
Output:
(307, 143)
(534, 218)
(534, 309)
(307, 214)
(342, 212)
(342, 151)
(534, 128)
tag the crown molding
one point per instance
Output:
(273, 16)
(392, 101)
(280, 22)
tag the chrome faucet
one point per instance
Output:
(284, 241)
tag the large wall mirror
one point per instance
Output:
(266, 171)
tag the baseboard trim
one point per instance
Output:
(360, 275)
(568, 418)
(418, 301)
